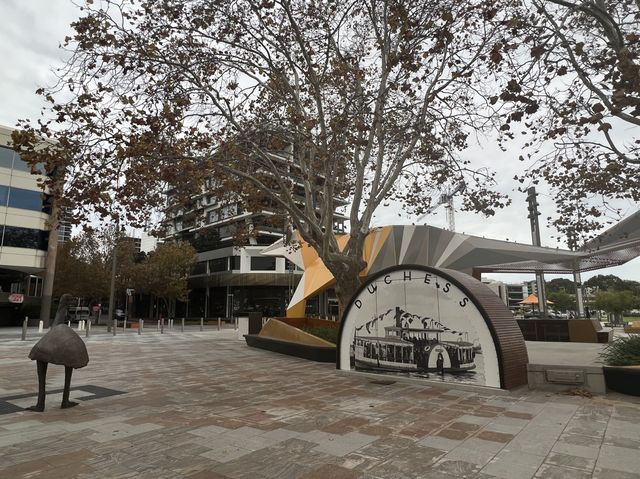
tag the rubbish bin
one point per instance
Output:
(255, 322)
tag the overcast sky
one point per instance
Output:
(33, 29)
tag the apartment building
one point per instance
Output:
(231, 277)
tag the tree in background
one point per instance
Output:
(574, 84)
(557, 285)
(615, 303)
(606, 282)
(164, 273)
(82, 269)
(363, 101)
(562, 301)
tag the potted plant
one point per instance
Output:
(622, 364)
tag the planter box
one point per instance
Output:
(623, 379)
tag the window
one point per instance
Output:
(25, 199)
(35, 286)
(199, 268)
(6, 157)
(24, 238)
(213, 216)
(263, 263)
(217, 265)
(20, 164)
(234, 263)
(4, 195)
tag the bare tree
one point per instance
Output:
(361, 100)
(573, 78)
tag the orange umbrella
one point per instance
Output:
(532, 300)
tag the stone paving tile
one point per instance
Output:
(247, 413)
(548, 471)
(438, 442)
(513, 465)
(457, 468)
(495, 436)
(568, 461)
(619, 459)
(587, 452)
(470, 455)
(604, 473)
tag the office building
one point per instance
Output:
(24, 223)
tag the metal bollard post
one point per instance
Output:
(158, 326)
(24, 327)
(124, 326)
(88, 329)
(115, 326)
(41, 326)
(140, 325)
(161, 325)
(219, 323)
(235, 323)
(201, 324)
(182, 326)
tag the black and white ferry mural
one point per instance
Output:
(417, 323)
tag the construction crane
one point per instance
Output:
(445, 199)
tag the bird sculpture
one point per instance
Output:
(61, 345)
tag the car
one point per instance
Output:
(78, 313)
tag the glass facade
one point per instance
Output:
(199, 268)
(217, 265)
(263, 263)
(18, 237)
(21, 198)
(11, 159)
(6, 157)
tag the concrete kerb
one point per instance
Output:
(428, 382)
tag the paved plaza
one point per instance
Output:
(204, 405)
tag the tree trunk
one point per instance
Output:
(347, 283)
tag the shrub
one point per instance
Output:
(327, 334)
(623, 351)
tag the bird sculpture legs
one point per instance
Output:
(42, 378)
(65, 394)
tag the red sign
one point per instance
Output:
(16, 298)
(96, 308)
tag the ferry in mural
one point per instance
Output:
(415, 344)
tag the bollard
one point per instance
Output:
(218, 323)
(171, 323)
(201, 324)
(182, 326)
(140, 323)
(115, 326)
(88, 329)
(161, 325)
(24, 327)
(235, 323)
(158, 327)
(79, 324)
(41, 326)
(69, 323)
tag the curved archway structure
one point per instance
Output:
(438, 323)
